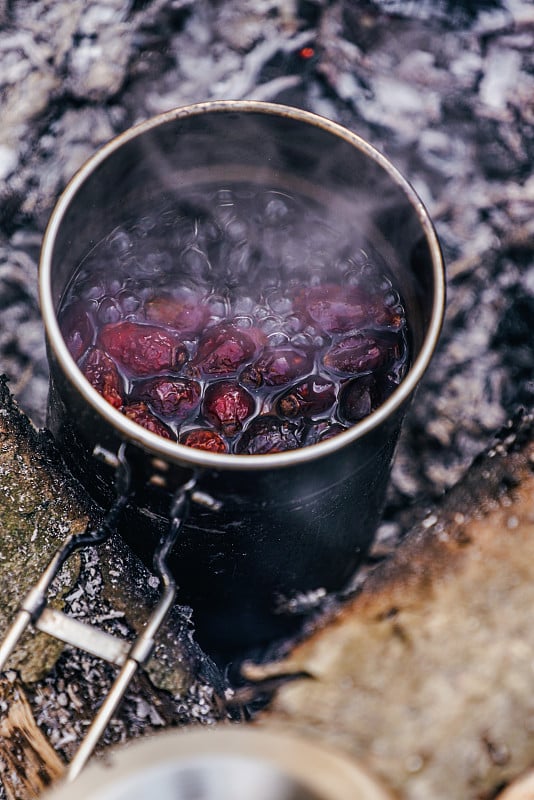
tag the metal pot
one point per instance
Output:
(283, 524)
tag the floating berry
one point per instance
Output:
(339, 309)
(142, 350)
(77, 328)
(362, 395)
(331, 431)
(322, 430)
(335, 308)
(311, 397)
(277, 366)
(103, 376)
(202, 439)
(176, 398)
(224, 348)
(385, 314)
(359, 354)
(357, 398)
(140, 413)
(205, 323)
(227, 405)
(183, 311)
(269, 434)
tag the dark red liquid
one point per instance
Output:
(246, 328)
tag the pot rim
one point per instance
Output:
(315, 769)
(181, 454)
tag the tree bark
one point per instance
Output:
(426, 675)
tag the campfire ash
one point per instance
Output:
(443, 88)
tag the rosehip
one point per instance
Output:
(336, 309)
(357, 398)
(142, 350)
(183, 311)
(311, 397)
(202, 439)
(269, 434)
(322, 430)
(385, 315)
(170, 397)
(103, 376)
(77, 328)
(140, 413)
(278, 365)
(224, 348)
(359, 354)
(227, 405)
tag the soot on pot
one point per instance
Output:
(240, 320)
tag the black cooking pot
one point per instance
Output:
(283, 524)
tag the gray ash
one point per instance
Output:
(65, 702)
(443, 88)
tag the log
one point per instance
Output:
(426, 675)
(41, 503)
(29, 763)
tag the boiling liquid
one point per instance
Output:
(238, 321)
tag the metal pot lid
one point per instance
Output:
(226, 763)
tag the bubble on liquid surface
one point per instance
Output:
(238, 321)
(109, 310)
(120, 242)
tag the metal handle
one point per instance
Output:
(129, 656)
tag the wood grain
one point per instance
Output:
(427, 675)
(30, 764)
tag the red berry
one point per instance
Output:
(359, 354)
(339, 309)
(330, 431)
(357, 398)
(202, 439)
(140, 413)
(224, 348)
(77, 328)
(170, 397)
(278, 365)
(322, 430)
(269, 434)
(183, 311)
(336, 309)
(103, 376)
(385, 315)
(142, 350)
(362, 395)
(311, 397)
(227, 405)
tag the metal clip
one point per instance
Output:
(127, 655)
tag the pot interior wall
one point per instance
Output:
(155, 168)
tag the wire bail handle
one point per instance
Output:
(129, 656)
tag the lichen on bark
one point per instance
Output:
(40, 505)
